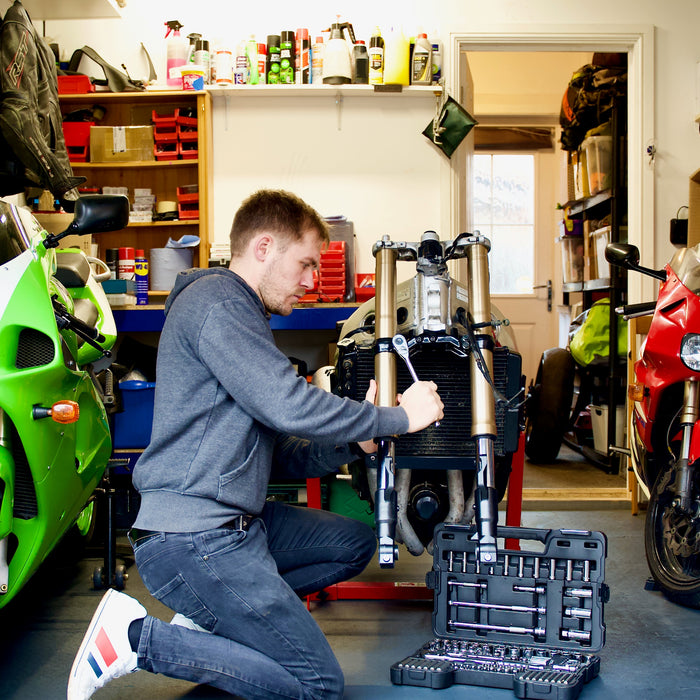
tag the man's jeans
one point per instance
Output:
(245, 587)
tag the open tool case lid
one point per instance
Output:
(551, 596)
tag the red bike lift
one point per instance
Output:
(403, 590)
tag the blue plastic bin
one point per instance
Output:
(132, 427)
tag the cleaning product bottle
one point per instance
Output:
(192, 47)
(241, 72)
(397, 55)
(252, 56)
(287, 57)
(176, 53)
(360, 63)
(141, 275)
(273, 59)
(317, 61)
(422, 63)
(437, 60)
(376, 58)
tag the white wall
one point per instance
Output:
(676, 43)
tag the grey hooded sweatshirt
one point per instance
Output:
(230, 411)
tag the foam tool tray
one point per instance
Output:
(531, 622)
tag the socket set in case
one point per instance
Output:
(532, 621)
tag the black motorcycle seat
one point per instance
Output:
(73, 269)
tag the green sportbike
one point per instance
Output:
(56, 331)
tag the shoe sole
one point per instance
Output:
(88, 639)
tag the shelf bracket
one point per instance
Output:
(339, 108)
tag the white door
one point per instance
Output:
(515, 207)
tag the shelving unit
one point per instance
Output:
(612, 202)
(161, 176)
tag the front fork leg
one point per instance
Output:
(486, 501)
(684, 468)
(385, 504)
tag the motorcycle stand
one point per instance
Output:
(110, 574)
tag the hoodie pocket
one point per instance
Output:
(228, 488)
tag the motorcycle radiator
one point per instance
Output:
(449, 445)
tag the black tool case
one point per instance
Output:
(531, 622)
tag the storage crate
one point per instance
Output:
(600, 239)
(598, 152)
(599, 423)
(571, 258)
(132, 426)
(77, 138)
(121, 144)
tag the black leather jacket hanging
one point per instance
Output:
(32, 148)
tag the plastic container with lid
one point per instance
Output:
(598, 153)
(571, 258)
(599, 240)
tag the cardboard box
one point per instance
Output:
(694, 210)
(121, 144)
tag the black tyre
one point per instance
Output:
(549, 405)
(672, 541)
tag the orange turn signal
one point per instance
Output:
(66, 411)
(635, 392)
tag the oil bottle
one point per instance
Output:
(376, 58)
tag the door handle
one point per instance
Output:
(548, 287)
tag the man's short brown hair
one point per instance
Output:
(277, 212)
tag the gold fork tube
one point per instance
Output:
(483, 404)
(385, 325)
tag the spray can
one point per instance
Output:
(191, 48)
(125, 270)
(376, 58)
(262, 63)
(112, 260)
(202, 57)
(287, 58)
(176, 53)
(273, 59)
(422, 62)
(303, 57)
(141, 276)
(317, 61)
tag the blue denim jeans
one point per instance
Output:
(245, 587)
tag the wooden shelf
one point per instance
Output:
(420, 91)
(158, 224)
(578, 206)
(138, 164)
(40, 10)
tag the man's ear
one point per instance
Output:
(263, 245)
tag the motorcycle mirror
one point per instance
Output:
(622, 254)
(626, 255)
(94, 213)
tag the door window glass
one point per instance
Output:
(503, 187)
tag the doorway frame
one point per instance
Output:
(638, 42)
(635, 40)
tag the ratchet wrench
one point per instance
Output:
(401, 347)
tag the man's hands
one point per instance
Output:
(421, 402)
(423, 405)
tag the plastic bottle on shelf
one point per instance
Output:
(252, 56)
(176, 47)
(360, 63)
(202, 57)
(397, 57)
(241, 72)
(376, 58)
(224, 66)
(422, 62)
(317, 61)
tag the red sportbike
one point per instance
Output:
(665, 421)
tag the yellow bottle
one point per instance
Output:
(397, 58)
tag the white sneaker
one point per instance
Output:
(182, 621)
(105, 652)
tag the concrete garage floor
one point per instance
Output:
(649, 653)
